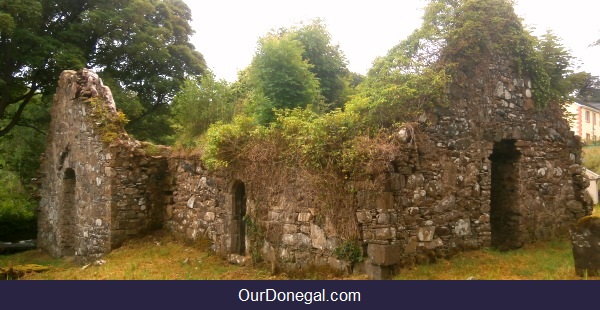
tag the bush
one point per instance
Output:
(17, 216)
(223, 143)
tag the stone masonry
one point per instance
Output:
(94, 195)
(490, 169)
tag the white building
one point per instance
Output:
(585, 120)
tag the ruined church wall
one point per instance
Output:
(140, 191)
(437, 197)
(487, 169)
(201, 206)
(95, 194)
(74, 210)
(497, 106)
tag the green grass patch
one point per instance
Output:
(551, 260)
(161, 257)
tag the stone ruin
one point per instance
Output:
(490, 169)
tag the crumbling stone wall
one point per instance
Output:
(94, 194)
(75, 202)
(201, 204)
(489, 169)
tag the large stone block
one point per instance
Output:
(318, 238)
(425, 234)
(384, 233)
(585, 239)
(462, 228)
(384, 255)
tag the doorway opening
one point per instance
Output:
(505, 216)
(238, 227)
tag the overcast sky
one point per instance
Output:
(227, 30)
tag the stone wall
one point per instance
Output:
(488, 169)
(74, 211)
(201, 204)
(94, 194)
(140, 190)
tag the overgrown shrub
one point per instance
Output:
(110, 124)
(17, 210)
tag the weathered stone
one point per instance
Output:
(436, 243)
(462, 228)
(574, 206)
(500, 89)
(447, 203)
(318, 238)
(429, 194)
(383, 219)
(384, 233)
(290, 228)
(191, 201)
(363, 217)
(296, 239)
(585, 240)
(384, 255)
(338, 265)
(304, 217)
(209, 216)
(237, 259)
(415, 180)
(268, 252)
(425, 234)
(377, 272)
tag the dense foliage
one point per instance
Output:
(296, 67)
(141, 46)
(20, 152)
(281, 77)
(456, 36)
(201, 102)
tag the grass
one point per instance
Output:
(155, 257)
(160, 257)
(591, 158)
(552, 260)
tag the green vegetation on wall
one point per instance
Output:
(283, 125)
(201, 102)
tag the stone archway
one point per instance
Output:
(67, 214)
(238, 212)
(505, 214)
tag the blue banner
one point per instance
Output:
(167, 295)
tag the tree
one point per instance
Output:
(329, 65)
(281, 77)
(557, 62)
(200, 103)
(141, 45)
(586, 86)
